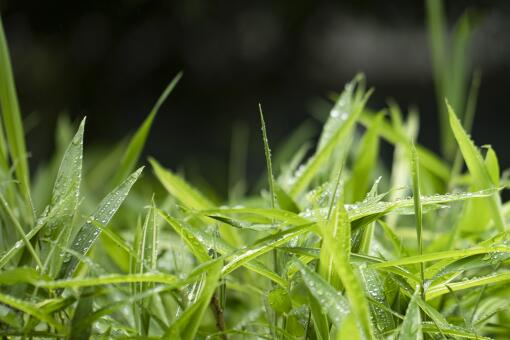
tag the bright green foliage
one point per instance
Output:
(336, 246)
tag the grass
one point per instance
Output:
(337, 245)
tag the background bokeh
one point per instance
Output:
(110, 60)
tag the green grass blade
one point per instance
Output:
(498, 278)
(89, 232)
(64, 201)
(190, 197)
(477, 168)
(450, 255)
(193, 243)
(415, 174)
(267, 153)
(30, 309)
(12, 120)
(411, 327)
(15, 222)
(180, 189)
(187, 325)
(137, 142)
(263, 246)
(334, 304)
(337, 240)
(365, 163)
(319, 159)
(83, 309)
(107, 280)
(428, 159)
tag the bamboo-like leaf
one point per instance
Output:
(313, 165)
(337, 240)
(30, 309)
(451, 255)
(108, 279)
(187, 325)
(196, 247)
(83, 309)
(498, 278)
(411, 327)
(13, 122)
(64, 201)
(190, 197)
(366, 159)
(477, 168)
(267, 153)
(137, 142)
(89, 232)
(332, 302)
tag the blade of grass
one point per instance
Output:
(12, 119)
(411, 326)
(415, 174)
(88, 233)
(337, 239)
(477, 168)
(137, 142)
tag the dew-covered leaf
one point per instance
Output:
(89, 232)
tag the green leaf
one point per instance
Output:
(477, 168)
(13, 122)
(342, 132)
(332, 302)
(89, 232)
(366, 160)
(196, 247)
(64, 201)
(415, 174)
(137, 142)
(187, 325)
(267, 153)
(411, 327)
(337, 240)
(83, 309)
(108, 279)
(29, 309)
(498, 278)
(190, 197)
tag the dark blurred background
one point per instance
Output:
(110, 60)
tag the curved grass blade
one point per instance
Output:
(89, 232)
(190, 197)
(263, 246)
(30, 309)
(199, 242)
(137, 142)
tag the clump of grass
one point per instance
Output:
(335, 247)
